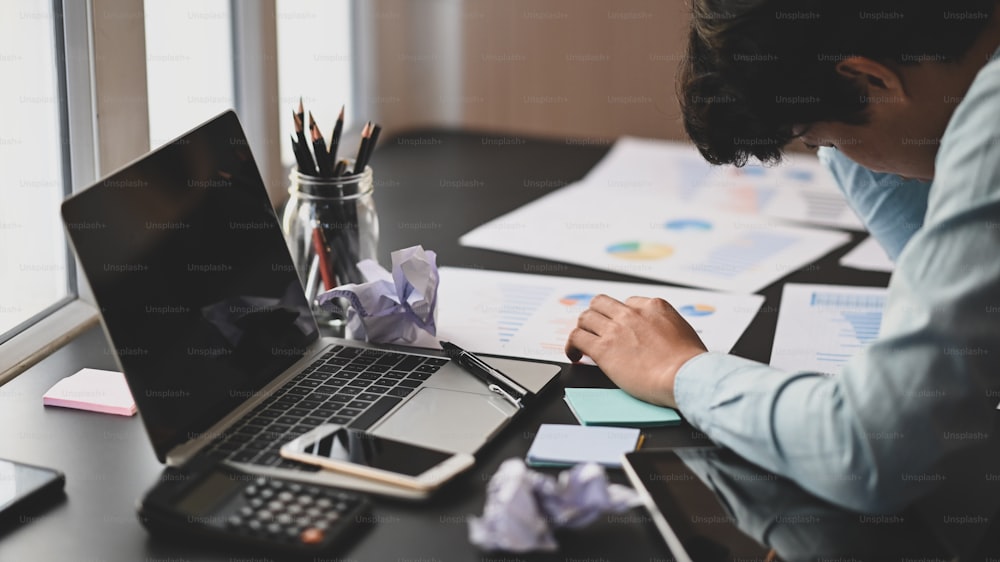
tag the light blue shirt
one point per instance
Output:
(891, 207)
(910, 420)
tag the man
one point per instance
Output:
(904, 98)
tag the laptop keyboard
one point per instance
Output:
(347, 386)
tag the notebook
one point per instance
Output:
(613, 406)
(200, 300)
(558, 445)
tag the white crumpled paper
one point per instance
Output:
(398, 307)
(524, 507)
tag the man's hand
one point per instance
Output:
(640, 344)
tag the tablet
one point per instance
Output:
(694, 524)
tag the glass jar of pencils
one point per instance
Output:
(330, 225)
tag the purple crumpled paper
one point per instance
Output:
(524, 507)
(398, 307)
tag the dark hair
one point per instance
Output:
(756, 68)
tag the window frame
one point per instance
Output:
(96, 70)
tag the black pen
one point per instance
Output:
(495, 380)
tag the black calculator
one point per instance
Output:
(216, 503)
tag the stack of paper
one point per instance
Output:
(565, 445)
(94, 390)
(614, 407)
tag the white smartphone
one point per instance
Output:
(386, 460)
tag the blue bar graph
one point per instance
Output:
(520, 302)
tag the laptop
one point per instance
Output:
(201, 302)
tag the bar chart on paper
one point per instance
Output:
(525, 315)
(820, 327)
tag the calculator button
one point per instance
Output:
(293, 532)
(284, 519)
(312, 535)
(324, 503)
(275, 505)
(255, 503)
(314, 512)
(250, 490)
(285, 496)
(294, 509)
(264, 515)
(266, 494)
(247, 511)
(305, 499)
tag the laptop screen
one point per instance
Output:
(195, 284)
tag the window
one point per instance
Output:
(35, 271)
(200, 58)
(189, 64)
(314, 62)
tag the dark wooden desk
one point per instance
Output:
(109, 462)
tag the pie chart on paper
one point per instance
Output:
(640, 250)
(696, 310)
(577, 299)
(688, 225)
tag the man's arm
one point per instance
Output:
(891, 207)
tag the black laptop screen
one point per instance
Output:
(193, 278)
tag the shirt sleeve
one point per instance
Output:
(891, 207)
(921, 394)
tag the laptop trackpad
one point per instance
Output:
(447, 419)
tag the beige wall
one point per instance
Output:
(571, 67)
(583, 68)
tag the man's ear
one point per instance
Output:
(873, 77)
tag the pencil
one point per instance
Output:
(338, 129)
(312, 280)
(323, 252)
(319, 148)
(371, 146)
(296, 152)
(365, 134)
(306, 166)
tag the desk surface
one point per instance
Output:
(109, 461)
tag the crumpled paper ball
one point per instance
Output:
(398, 307)
(523, 507)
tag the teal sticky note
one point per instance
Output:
(615, 407)
(558, 445)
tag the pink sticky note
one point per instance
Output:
(94, 390)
